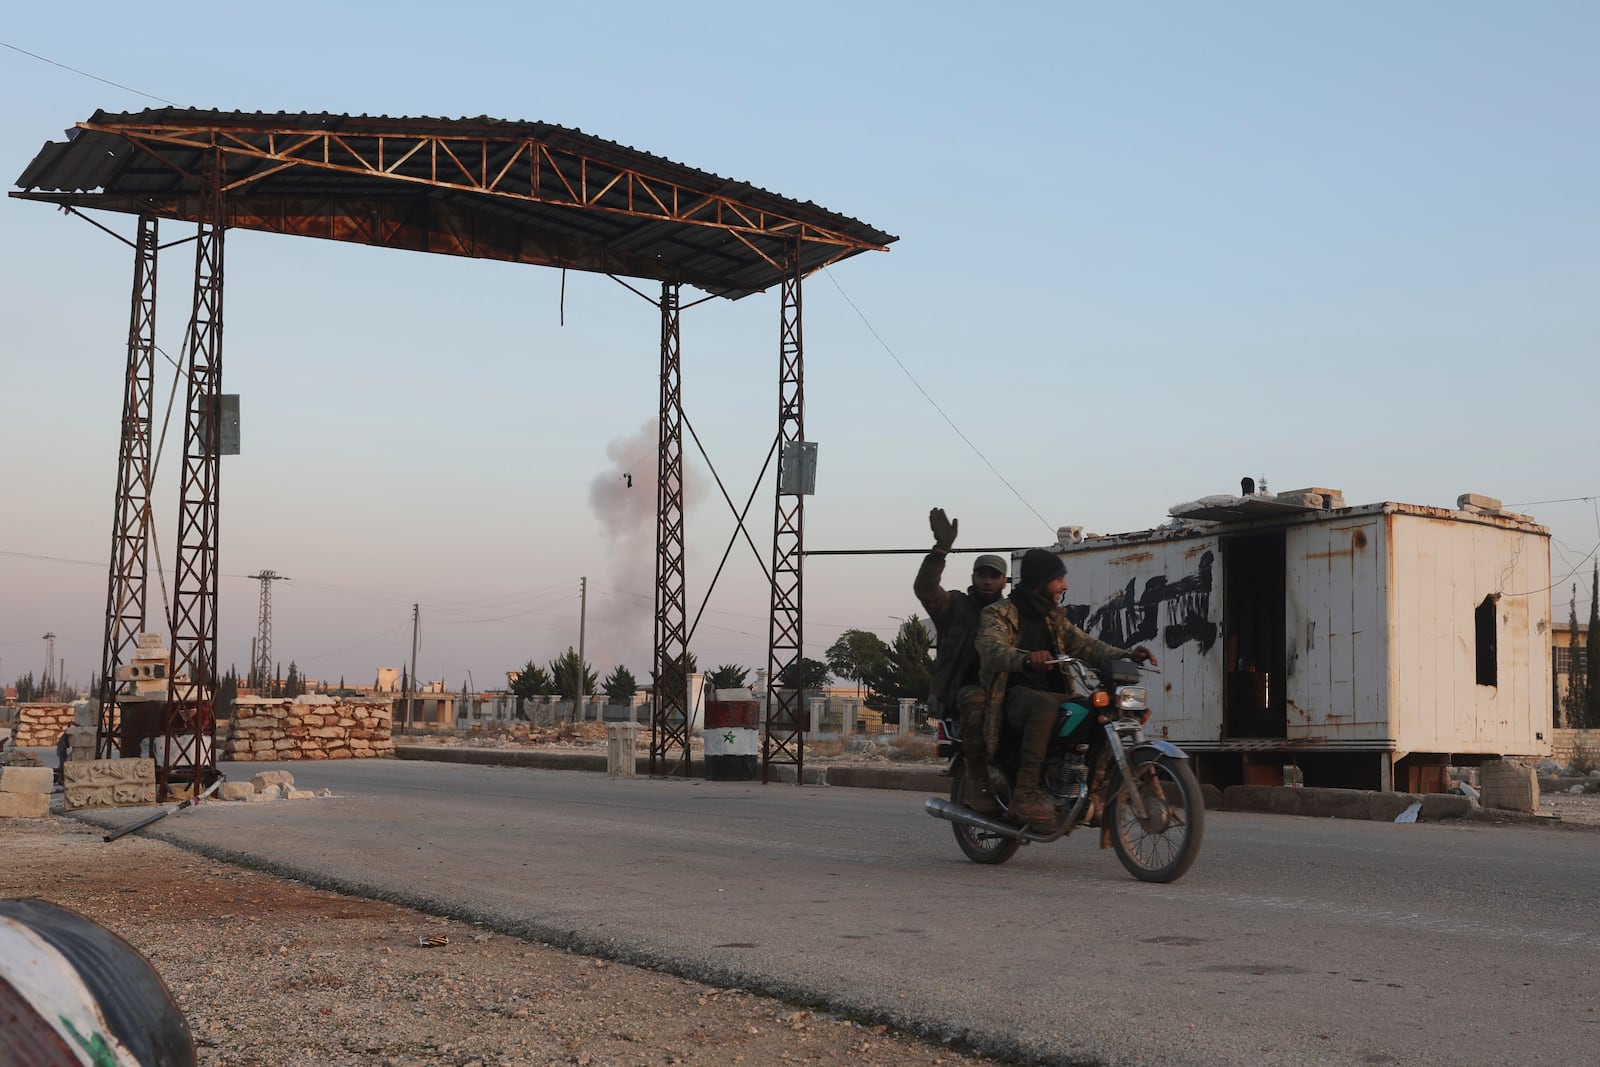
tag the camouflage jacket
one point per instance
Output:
(954, 615)
(999, 655)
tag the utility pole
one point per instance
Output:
(49, 664)
(411, 679)
(583, 615)
(261, 649)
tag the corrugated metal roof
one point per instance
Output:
(529, 192)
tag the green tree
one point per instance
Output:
(806, 674)
(728, 676)
(856, 655)
(227, 693)
(620, 685)
(531, 681)
(1574, 706)
(565, 670)
(294, 685)
(907, 671)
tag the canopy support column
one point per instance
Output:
(130, 515)
(669, 717)
(783, 736)
(188, 757)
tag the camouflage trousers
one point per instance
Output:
(971, 705)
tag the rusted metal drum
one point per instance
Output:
(74, 994)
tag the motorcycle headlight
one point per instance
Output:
(1132, 698)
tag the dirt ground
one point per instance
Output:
(1582, 808)
(271, 973)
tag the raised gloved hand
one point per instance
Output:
(944, 529)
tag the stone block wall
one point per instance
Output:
(309, 727)
(41, 725)
(1564, 744)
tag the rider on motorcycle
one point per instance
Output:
(955, 692)
(1017, 640)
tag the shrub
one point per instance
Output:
(909, 748)
(825, 746)
(1584, 759)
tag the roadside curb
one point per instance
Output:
(1362, 804)
(576, 761)
(1312, 802)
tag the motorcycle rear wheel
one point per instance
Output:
(980, 847)
(1162, 846)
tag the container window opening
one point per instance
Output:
(1484, 627)
(1254, 590)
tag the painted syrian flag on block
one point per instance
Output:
(733, 743)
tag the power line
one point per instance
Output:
(935, 404)
(1563, 500)
(86, 74)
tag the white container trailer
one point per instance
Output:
(1368, 647)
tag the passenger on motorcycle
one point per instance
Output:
(955, 691)
(1017, 640)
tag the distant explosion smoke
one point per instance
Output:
(623, 498)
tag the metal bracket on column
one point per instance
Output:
(188, 757)
(783, 736)
(670, 714)
(130, 519)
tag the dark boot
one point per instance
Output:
(1029, 803)
(975, 789)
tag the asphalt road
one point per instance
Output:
(1291, 940)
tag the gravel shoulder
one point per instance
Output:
(272, 973)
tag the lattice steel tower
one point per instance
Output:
(262, 667)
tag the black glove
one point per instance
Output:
(944, 530)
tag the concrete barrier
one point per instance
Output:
(622, 739)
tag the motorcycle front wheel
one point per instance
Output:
(979, 846)
(1162, 845)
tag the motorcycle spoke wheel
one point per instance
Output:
(979, 847)
(1161, 846)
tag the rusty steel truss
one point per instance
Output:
(669, 697)
(375, 181)
(784, 740)
(130, 522)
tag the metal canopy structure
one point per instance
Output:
(522, 192)
(519, 192)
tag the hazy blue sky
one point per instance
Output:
(1145, 250)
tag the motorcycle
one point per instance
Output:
(1101, 771)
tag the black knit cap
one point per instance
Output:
(1040, 567)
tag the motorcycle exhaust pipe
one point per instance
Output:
(940, 808)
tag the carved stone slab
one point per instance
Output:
(109, 783)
